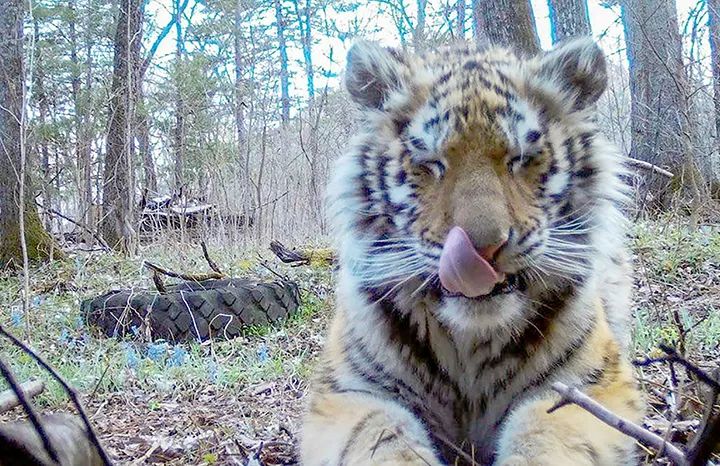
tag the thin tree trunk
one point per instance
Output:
(143, 138)
(478, 22)
(118, 216)
(714, 32)
(508, 22)
(419, 33)
(86, 160)
(179, 130)
(12, 199)
(460, 25)
(239, 86)
(568, 18)
(305, 30)
(41, 139)
(284, 73)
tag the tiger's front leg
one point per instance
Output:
(356, 428)
(570, 436)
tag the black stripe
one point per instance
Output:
(354, 433)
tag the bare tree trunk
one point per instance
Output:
(86, 160)
(714, 32)
(661, 122)
(478, 23)
(284, 73)
(41, 140)
(507, 22)
(118, 213)
(143, 139)
(180, 110)
(568, 18)
(12, 94)
(419, 32)
(460, 6)
(305, 30)
(239, 86)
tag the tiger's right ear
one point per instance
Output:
(372, 73)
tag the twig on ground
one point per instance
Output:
(10, 400)
(99, 239)
(213, 265)
(571, 395)
(195, 277)
(72, 394)
(648, 166)
(24, 401)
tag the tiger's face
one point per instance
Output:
(477, 173)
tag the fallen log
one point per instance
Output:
(21, 444)
(319, 257)
(9, 400)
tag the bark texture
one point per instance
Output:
(661, 122)
(508, 22)
(118, 217)
(284, 73)
(568, 18)
(12, 78)
(714, 30)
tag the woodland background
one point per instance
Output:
(231, 112)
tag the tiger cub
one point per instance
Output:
(482, 258)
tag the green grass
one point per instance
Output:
(678, 271)
(97, 365)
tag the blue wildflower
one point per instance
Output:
(263, 353)
(157, 351)
(16, 317)
(213, 371)
(178, 356)
(65, 338)
(79, 322)
(132, 359)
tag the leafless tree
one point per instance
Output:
(568, 18)
(118, 189)
(284, 72)
(16, 195)
(662, 123)
(507, 22)
(713, 7)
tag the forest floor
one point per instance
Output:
(221, 402)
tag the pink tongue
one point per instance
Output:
(462, 269)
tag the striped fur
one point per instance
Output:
(506, 148)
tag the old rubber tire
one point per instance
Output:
(193, 310)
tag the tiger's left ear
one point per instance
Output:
(574, 69)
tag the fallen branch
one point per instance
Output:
(10, 400)
(72, 394)
(34, 419)
(297, 258)
(99, 239)
(288, 256)
(20, 444)
(571, 395)
(648, 166)
(195, 277)
(213, 265)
